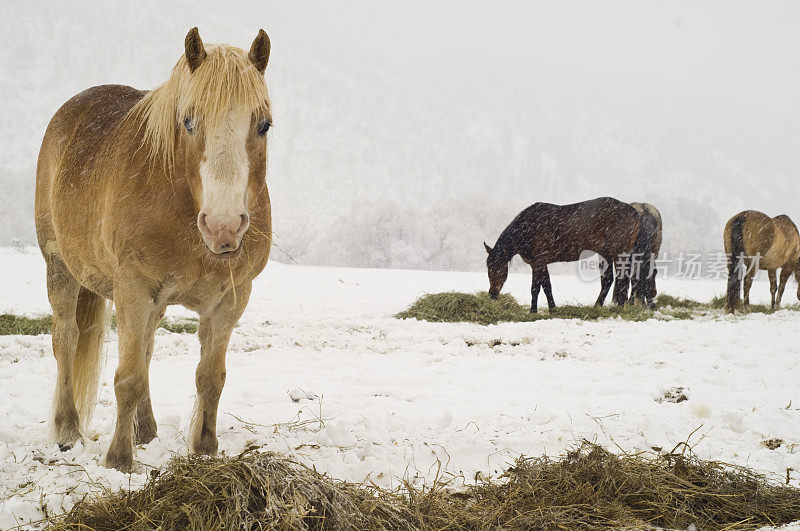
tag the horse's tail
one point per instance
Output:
(93, 314)
(643, 256)
(735, 262)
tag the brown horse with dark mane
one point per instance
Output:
(756, 241)
(544, 233)
(150, 199)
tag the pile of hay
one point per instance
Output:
(589, 488)
(453, 307)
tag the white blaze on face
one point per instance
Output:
(224, 172)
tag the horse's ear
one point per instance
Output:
(488, 249)
(259, 51)
(195, 52)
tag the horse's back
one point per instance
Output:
(76, 133)
(85, 121)
(775, 240)
(562, 232)
(70, 195)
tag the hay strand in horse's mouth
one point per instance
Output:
(233, 284)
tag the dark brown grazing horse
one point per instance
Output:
(650, 229)
(544, 233)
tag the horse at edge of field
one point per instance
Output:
(756, 241)
(149, 199)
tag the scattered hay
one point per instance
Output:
(12, 325)
(589, 488)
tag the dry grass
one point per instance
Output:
(589, 488)
(454, 307)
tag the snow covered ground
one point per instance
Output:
(320, 370)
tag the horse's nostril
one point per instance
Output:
(244, 224)
(202, 223)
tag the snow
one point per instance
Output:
(320, 370)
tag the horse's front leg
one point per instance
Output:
(144, 427)
(136, 312)
(215, 330)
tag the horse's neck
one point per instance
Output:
(506, 244)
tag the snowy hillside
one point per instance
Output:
(455, 114)
(320, 370)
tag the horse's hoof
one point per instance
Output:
(65, 447)
(145, 431)
(119, 458)
(145, 437)
(206, 444)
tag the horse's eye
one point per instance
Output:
(263, 127)
(187, 123)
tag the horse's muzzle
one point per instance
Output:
(222, 236)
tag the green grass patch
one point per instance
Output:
(454, 307)
(181, 325)
(15, 325)
(22, 325)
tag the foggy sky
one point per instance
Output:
(407, 133)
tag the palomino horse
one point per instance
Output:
(544, 233)
(650, 230)
(150, 199)
(755, 241)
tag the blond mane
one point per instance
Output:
(225, 81)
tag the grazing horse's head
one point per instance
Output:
(497, 266)
(209, 123)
